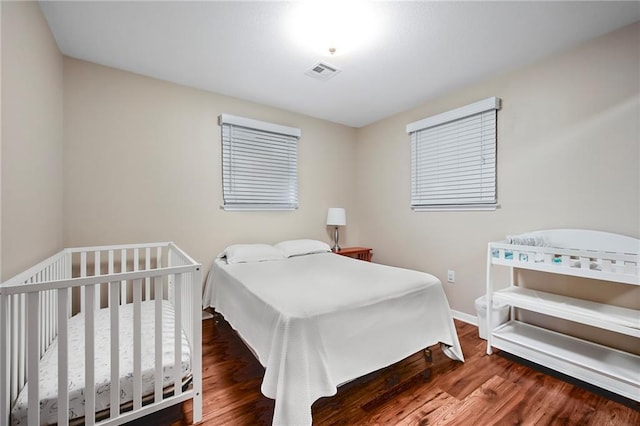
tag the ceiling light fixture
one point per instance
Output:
(331, 27)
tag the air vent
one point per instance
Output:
(322, 71)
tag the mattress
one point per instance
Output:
(319, 320)
(49, 362)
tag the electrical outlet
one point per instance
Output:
(451, 276)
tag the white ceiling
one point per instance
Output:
(247, 50)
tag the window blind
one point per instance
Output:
(453, 159)
(259, 165)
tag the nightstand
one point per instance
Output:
(362, 253)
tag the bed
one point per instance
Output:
(316, 320)
(109, 334)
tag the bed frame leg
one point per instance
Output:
(216, 317)
(428, 356)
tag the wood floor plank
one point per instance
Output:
(609, 413)
(478, 371)
(483, 403)
(385, 386)
(435, 405)
(485, 390)
(537, 399)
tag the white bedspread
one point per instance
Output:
(49, 362)
(320, 320)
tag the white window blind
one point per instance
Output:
(259, 165)
(453, 159)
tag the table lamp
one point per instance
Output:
(336, 217)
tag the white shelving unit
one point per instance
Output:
(582, 253)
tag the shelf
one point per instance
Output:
(582, 253)
(599, 365)
(608, 317)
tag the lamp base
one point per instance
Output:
(335, 247)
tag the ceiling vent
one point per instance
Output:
(322, 71)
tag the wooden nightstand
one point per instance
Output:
(362, 253)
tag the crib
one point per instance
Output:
(144, 300)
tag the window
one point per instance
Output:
(453, 159)
(259, 165)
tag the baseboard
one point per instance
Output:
(469, 319)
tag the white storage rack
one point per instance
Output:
(602, 256)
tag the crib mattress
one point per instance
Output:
(49, 363)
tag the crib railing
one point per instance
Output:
(35, 307)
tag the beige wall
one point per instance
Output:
(568, 157)
(31, 191)
(142, 163)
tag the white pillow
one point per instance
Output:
(300, 247)
(244, 253)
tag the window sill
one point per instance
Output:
(456, 208)
(257, 208)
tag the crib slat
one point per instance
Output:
(41, 303)
(114, 307)
(186, 304)
(51, 315)
(4, 358)
(89, 356)
(137, 344)
(53, 327)
(47, 318)
(147, 265)
(44, 317)
(158, 339)
(110, 266)
(96, 272)
(177, 336)
(33, 359)
(83, 273)
(63, 357)
(57, 268)
(123, 268)
(13, 308)
(44, 312)
(22, 338)
(158, 257)
(67, 274)
(55, 316)
(49, 312)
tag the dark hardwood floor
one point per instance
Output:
(485, 390)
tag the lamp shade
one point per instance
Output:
(336, 216)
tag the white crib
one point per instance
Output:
(138, 289)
